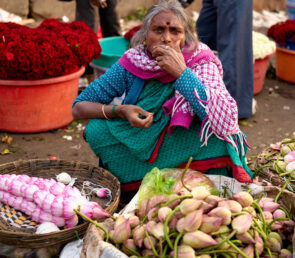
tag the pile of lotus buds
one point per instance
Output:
(46, 200)
(195, 223)
(282, 159)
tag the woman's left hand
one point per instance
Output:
(169, 59)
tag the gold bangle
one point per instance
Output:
(104, 114)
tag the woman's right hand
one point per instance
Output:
(132, 112)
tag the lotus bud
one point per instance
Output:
(180, 225)
(147, 253)
(279, 214)
(210, 224)
(134, 221)
(183, 191)
(185, 251)
(285, 150)
(147, 244)
(276, 236)
(152, 213)
(200, 192)
(281, 164)
(290, 157)
(267, 215)
(250, 210)
(206, 206)
(173, 222)
(270, 206)
(102, 192)
(259, 244)
(119, 220)
(58, 221)
(99, 212)
(289, 223)
(129, 243)
(223, 213)
(156, 200)
(193, 220)
(264, 200)
(290, 166)
(276, 225)
(172, 197)
(158, 230)
(139, 235)
(72, 222)
(149, 226)
(232, 205)
(244, 198)
(222, 230)
(285, 253)
(246, 238)
(142, 211)
(163, 213)
(198, 239)
(242, 223)
(203, 256)
(223, 246)
(111, 234)
(57, 189)
(189, 205)
(213, 200)
(248, 251)
(122, 232)
(273, 244)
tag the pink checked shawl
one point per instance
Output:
(220, 107)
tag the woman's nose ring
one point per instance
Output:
(162, 39)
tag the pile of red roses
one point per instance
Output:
(52, 49)
(283, 33)
(130, 33)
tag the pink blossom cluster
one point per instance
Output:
(46, 200)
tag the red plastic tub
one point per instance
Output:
(259, 72)
(37, 105)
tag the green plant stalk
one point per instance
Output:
(184, 172)
(262, 167)
(165, 250)
(268, 252)
(220, 243)
(270, 154)
(219, 233)
(151, 243)
(261, 213)
(256, 252)
(286, 212)
(95, 223)
(218, 252)
(226, 193)
(237, 242)
(287, 173)
(176, 243)
(259, 198)
(238, 213)
(260, 232)
(236, 248)
(166, 229)
(273, 221)
(132, 250)
(287, 141)
(283, 188)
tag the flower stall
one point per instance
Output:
(283, 34)
(263, 49)
(39, 73)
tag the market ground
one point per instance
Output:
(274, 120)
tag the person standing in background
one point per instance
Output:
(85, 11)
(226, 26)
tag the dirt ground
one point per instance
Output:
(274, 120)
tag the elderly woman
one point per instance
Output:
(176, 105)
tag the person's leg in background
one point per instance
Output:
(234, 45)
(86, 12)
(108, 19)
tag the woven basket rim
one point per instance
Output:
(26, 239)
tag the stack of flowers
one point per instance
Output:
(262, 46)
(283, 34)
(50, 50)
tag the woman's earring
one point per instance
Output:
(144, 43)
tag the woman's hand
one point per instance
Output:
(99, 3)
(169, 59)
(132, 112)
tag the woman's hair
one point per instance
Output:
(164, 6)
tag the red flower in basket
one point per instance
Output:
(50, 50)
(283, 33)
(130, 33)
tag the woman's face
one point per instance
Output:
(165, 29)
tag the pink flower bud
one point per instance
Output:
(134, 221)
(232, 205)
(213, 200)
(163, 213)
(122, 231)
(29, 192)
(147, 253)
(36, 214)
(58, 221)
(285, 253)
(276, 225)
(264, 200)
(172, 223)
(39, 196)
(274, 244)
(180, 225)
(57, 189)
(139, 235)
(193, 220)
(223, 213)
(17, 202)
(57, 206)
(102, 192)
(185, 251)
(259, 244)
(156, 200)
(279, 214)
(99, 212)
(15, 187)
(47, 202)
(45, 216)
(290, 157)
(172, 197)
(198, 239)
(270, 206)
(244, 198)
(210, 224)
(158, 230)
(149, 226)
(11, 200)
(246, 238)
(250, 210)
(200, 192)
(30, 208)
(130, 243)
(242, 223)
(249, 250)
(68, 208)
(152, 214)
(189, 205)
(206, 206)
(267, 215)
(72, 222)
(147, 243)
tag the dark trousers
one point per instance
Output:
(226, 26)
(107, 16)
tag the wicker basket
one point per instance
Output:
(268, 173)
(15, 236)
